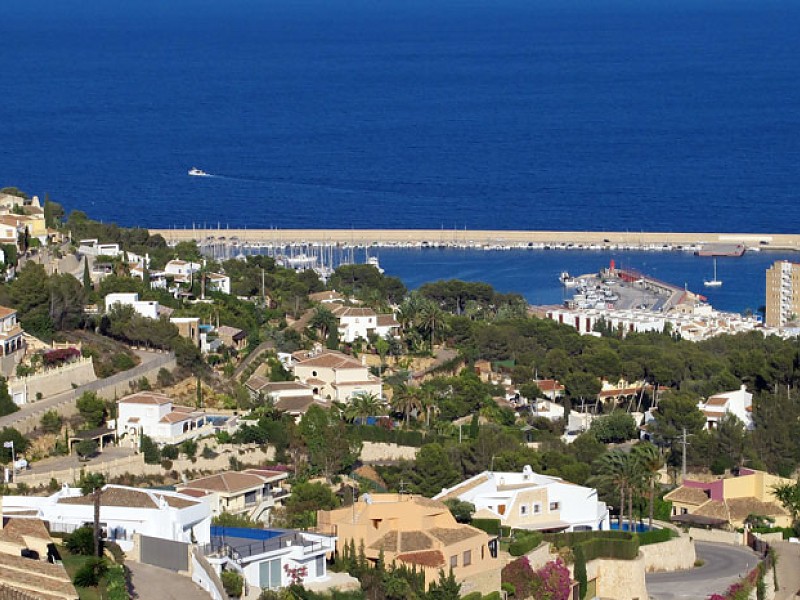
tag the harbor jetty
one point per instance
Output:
(705, 243)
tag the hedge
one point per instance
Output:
(524, 543)
(372, 433)
(656, 536)
(610, 548)
(490, 526)
(572, 538)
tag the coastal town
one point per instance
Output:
(183, 427)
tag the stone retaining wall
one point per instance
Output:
(677, 553)
(53, 381)
(383, 452)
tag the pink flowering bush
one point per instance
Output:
(739, 590)
(551, 582)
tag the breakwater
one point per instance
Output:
(489, 239)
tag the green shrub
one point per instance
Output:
(656, 536)
(610, 548)
(233, 583)
(493, 596)
(80, 541)
(524, 542)
(90, 574)
(116, 551)
(490, 526)
(170, 452)
(472, 596)
(580, 571)
(116, 586)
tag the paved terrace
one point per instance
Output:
(466, 237)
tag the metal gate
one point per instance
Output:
(164, 553)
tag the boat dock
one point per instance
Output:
(700, 243)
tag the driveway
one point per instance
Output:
(151, 582)
(788, 573)
(724, 565)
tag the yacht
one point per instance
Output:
(373, 260)
(713, 282)
(567, 281)
(198, 172)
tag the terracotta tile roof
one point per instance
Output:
(175, 417)
(5, 312)
(229, 481)
(429, 558)
(714, 509)
(331, 360)
(454, 535)
(146, 398)
(325, 296)
(387, 321)
(549, 385)
(741, 508)
(297, 404)
(413, 541)
(283, 386)
(227, 330)
(8, 592)
(352, 311)
(129, 497)
(257, 382)
(687, 495)
(388, 543)
(463, 488)
(15, 529)
(716, 401)
(37, 577)
(266, 473)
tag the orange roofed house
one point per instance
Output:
(420, 533)
(335, 375)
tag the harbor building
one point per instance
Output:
(783, 293)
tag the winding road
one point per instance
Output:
(724, 565)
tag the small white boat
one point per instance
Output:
(713, 282)
(195, 172)
(567, 281)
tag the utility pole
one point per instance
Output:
(683, 463)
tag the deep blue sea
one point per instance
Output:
(509, 114)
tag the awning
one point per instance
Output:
(698, 520)
(546, 526)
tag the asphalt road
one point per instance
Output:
(724, 565)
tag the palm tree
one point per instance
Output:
(362, 405)
(651, 462)
(405, 400)
(788, 494)
(612, 471)
(431, 320)
(92, 485)
(323, 320)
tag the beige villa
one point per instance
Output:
(420, 533)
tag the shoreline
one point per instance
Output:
(490, 239)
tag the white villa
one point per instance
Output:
(11, 334)
(155, 416)
(181, 270)
(528, 500)
(217, 282)
(124, 511)
(739, 403)
(336, 376)
(265, 557)
(145, 308)
(357, 322)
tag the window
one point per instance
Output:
(467, 558)
(454, 561)
(554, 506)
(250, 498)
(523, 510)
(320, 566)
(501, 509)
(270, 574)
(537, 508)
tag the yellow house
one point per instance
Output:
(419, 532)
(730, 500)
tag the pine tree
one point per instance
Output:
(87, 278)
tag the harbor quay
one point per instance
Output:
(722, 244)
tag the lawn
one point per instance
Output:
(73, 562)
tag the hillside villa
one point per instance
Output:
(417, 532)
(527, 500)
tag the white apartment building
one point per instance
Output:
(528, 500)
(145, 308)
(217, 282)
(124, 511)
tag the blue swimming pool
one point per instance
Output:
(637, 527)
